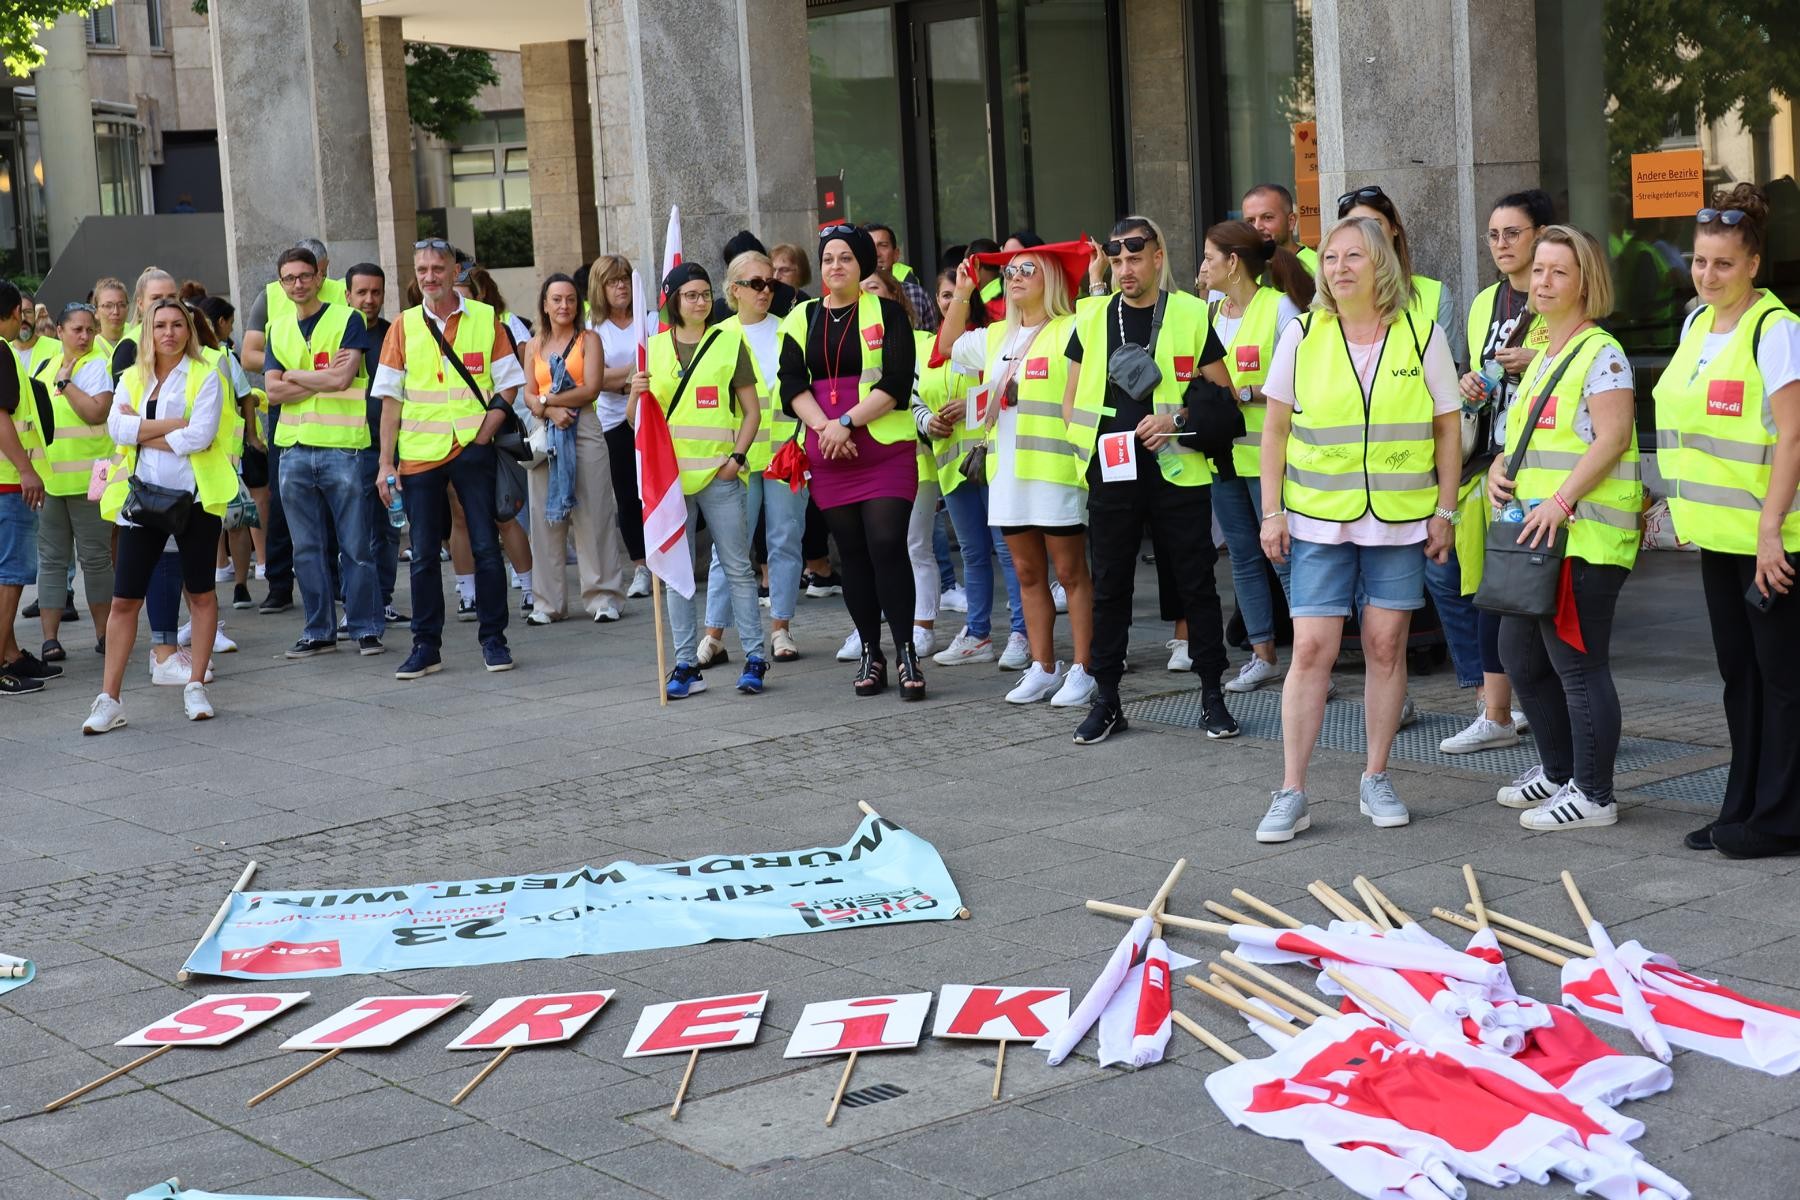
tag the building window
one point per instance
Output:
(116, 155)
(103, 27)
(489, 165)
(153, 8)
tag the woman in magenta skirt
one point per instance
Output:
(847, 376)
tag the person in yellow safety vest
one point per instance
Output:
(1247, 320)
(847, 366)
(887, 258)
(1269, 209)
(1728, 450)
(312, 367)
(70, 525)
(946, 437)
(167, 412)
(1362, 446)
(1430, 299)
(31, 347)
(1580, 469)
(274, 302)
(21, 496)
(706, 382)
(439, 415)
(112, 303)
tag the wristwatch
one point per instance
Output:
(1449, 514)
(61, 384)
(846, 422)
(740, 459)
(1180, 417)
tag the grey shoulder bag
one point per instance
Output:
(1132, 368)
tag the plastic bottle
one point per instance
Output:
(396, 510)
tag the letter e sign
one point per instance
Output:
(214, 1020)
(713, 1023)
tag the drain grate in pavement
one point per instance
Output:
(1259, 713)
(1700, 787)
(863, 1097)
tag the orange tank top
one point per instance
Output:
(541, 366)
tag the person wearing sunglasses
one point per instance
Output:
(1361, 453)
(1430, 299)
(705, 381)
(1728, 448)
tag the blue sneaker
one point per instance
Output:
(685, 681)
(751, 681)
(495, 654)
(424, 660)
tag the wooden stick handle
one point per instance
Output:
(1369, 1000)
(843, 1082)
(867, 809)
(662, 650)
(1476, 905)
(107, 1078)
(1366, 890)
(1250, 988)
(1501, 936)
(1540, 933)
(1279, 984)
(485, 1071)
(1205, 1037)
(1331, 898)
(1267, 910)
(1581, 908)
(1233, 915)
(302, 1073)
(1159, 901)
(1233, 1000)
(1125, 910)
(999, 1066)
(1393, 910)
(183, 975)
(687, 1077)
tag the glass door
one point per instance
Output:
(954, 188)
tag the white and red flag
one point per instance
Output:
(667, 551)
(1345, 942)
(1131, 1001)
(670, 260)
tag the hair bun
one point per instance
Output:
(1744, 196)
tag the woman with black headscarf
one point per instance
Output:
(847, 375)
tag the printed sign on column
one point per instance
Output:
(214, 1020)
(713, 1023)
(993, 1014)
(373, 1022)
(1306, 181)
(1118, 456)
(531, 1020)
(865, 1023)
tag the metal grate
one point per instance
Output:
(862, 1097)
(1259, 713)
(1701, 787)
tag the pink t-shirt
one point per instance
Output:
(1440, 380)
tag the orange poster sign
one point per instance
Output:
(1306, 180)
(1669, 183)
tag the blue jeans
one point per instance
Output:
(428, 508)
(384, 539)
(724, 503)
(323, 495)
(162, 599)
(968, 508)
(18, 541)
(1238, 505)
(940, 547)
(784, 518)
(1460, 618)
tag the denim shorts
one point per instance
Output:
(1327, 580)
(18, 541)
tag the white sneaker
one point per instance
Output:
(640, 583)
(1482, 734)
(1078, 689)
(1017, 655)
(261, 571)
(1527, 791)
(964, 648)
(711, 652)
(955, 599)
(225, 574)
(924, 641)
(221, 644)
(1520, 724)
(604, 614)
(104, 715)
(1059, 597)
(1179, 660)
(539, 616)
(513, 581)
(1254, 674)
(175, 670)
(195, 703)
(851, 650)
(1035, 684)
(1569, 808)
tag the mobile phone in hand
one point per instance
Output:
(1761, 603)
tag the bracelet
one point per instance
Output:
(1563, 504)
(1280, 512)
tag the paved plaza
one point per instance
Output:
(114, 852)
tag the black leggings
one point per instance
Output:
(621, 453)
(141, 548)
(876, 568)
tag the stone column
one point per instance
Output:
(391, 145)
(1157, 92)
(559, 138)
(294, 139)
(705, 104)
(1436, 101)
(65, 107)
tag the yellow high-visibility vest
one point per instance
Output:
(1247, 361)
(336, 420)
(1179, 346)
(69, 457)
(438, 411)
(704, 422)
(215, 482)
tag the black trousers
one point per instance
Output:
(621, 455)
(1179, 520)
(277, 543)
(1759, 660)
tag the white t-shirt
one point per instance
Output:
(1011, 500)
(621, 347)
(1440, 380)
(764, 338)
(1226, 327)
(93, 377)
(1777, 355)
(1609, 372)
(170, 468)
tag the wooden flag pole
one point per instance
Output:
(843, 1082)
(484, 1073)
(1538, 932)
(1380, 899)
(183, 975)
(1205, 1037)
(687, 1077)
(1581, 908)
(1279, 984)
(1125, 910)
(999, 1066)
(107, 1078)
(662, 647)
(1233, 915)
(1504, 938)
(1368, 999)
(1366, 890)
(1304, 1015)
(1232, 1000)
(1267, 910)
(1475, 903)
(302, 1073)
(1335, 900)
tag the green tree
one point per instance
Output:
(22, 20)
(441, 86)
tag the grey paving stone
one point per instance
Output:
(222, 1158)
(1145, 1171)
(586, 1125)
(1224, 1147)
(668, 1170)
(20, 1180)
(1146, 1106)
(1697, 939)
(994, 1150)
(843, 1174)
(464, 1159)
(573, 1182)
(95, 1129)
(1748, 1163)
(337, 1125)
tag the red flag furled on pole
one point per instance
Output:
(666, 549)
(670, 260)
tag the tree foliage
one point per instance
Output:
(22, 20)
(441, 86)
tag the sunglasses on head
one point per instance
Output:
(1024, 270)
(1127, 245)
(1724, 216)
(71, 308)
(758, 284)
(1350, 200)
(433, 244)
(832, 231)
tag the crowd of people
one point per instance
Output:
(1046, 404)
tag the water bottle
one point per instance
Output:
(1513, 513)
(1491, 377)
(396, 510)
(1167, 456)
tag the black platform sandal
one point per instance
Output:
(912, 680)
(871, 676)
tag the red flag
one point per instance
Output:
(666, 549)
(1568, 621)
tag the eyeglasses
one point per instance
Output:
(1024, 270)
(113, 305)
(705, 297)
(1350, 200)
(1506, 236)
(1126, 245)
(758, 284)
(297, 280)
(1724, 216)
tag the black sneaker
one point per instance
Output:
(1104, 719)
(71, 613)
(465, 610)
(240, 597)
(370, 646)
(821, 586)
(1215, 717)
(276, 602)
(13, 685)
(393, 616)
(30, 666)
(306, 648)
(1701, 838)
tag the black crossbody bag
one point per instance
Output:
(153, 506)
(509, 439)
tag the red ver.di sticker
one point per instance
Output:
(872, 337)
(321, 359)
(1184, 368)
(1547, 418)
(1037, 368)
(474, 360)
(1725, 398)
(1249, 358)
(706, 397)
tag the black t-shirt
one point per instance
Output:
(377, 332)
(356, 337)
(124, 354)
(1127, 413)
(845, 355)
(9, 387)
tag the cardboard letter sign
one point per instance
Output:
(867, 1023)
(531, 1020)
(710, 1024)
(214, 1020)
(373, 1022)
(1118, 456)
(993, 1014)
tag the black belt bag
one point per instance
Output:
(154, 506)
